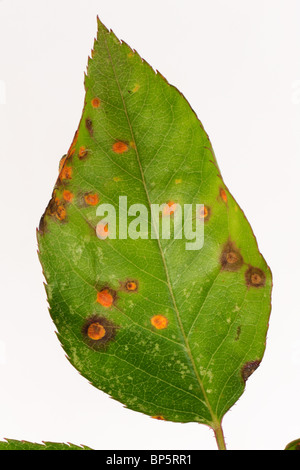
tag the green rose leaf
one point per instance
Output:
(294, 445)
(12, 444)
(166, 328)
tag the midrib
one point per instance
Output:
(215, 421)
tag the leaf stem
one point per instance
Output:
(219, 435)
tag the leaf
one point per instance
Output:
(12, 444)
(294, 445)
(170, 332)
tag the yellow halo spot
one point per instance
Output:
(136, 88)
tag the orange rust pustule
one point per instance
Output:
(62, 162)
(82, 152)
(223, 195)
(159, 417)
(61, 212)
(131, 286)
(98, 332)
(68, 195)
(120, 147)
(160, 322)
(205, 213)
(248, 369)
(55, 209)
(106, 297)
(231, 259)
(255, 277)
(95, 102)
(66, 173)
(91, 199)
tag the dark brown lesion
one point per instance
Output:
(238, 333)
(248, 369)
(231, 258)
(43, 224)
(131, 285)
(255, 277)
(89, 126)
(56, 209)
(98, 331)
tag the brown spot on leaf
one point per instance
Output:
(231, 258)
(98, 331)
(56, 208)
(120, 147)
(160, 322)
(248, 369)
(238, 332)
(255, 277)
(89, 126)
(43, 224)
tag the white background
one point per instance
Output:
(237, 63)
